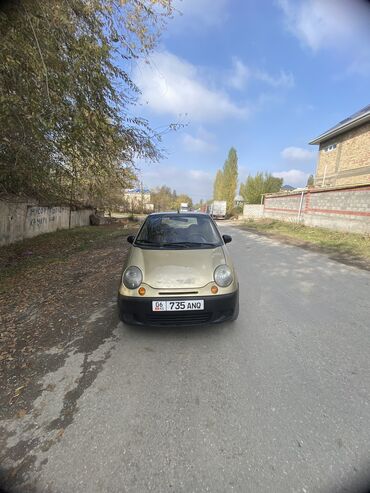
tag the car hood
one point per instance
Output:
(177, 268)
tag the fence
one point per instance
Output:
(253, 211)
(19, 220)
(342, 209)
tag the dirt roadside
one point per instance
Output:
(48, 311)
(339, 251)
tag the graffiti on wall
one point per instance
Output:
(37, 217)
(26, 219)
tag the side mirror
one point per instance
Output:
(130, 239)
(227, 238)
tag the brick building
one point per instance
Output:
(344, 152)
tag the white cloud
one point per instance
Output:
(294, 177)
(195, 182)
(240, 74)
(202, 142)
(171, 85)
(283, 79)
(199, 174)
(340, 25)
(297, 154)
(196, 13)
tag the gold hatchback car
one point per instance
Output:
(178, 272)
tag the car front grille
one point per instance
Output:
(176, 293)
(179, 318)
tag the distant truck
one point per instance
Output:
(218, 209)
(184, 207)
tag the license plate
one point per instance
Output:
(177, 306)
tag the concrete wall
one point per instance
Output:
(252, 211)
(346, 209)
(349, 162)
(19, 220)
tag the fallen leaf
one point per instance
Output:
(21, 413)
(60, 433)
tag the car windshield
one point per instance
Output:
(178, 231)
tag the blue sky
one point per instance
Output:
(263, 76)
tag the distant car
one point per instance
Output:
(178, 272)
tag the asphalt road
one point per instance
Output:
(275, 402)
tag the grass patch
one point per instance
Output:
(56, 247)
(353, 244)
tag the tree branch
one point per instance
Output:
(41, 56)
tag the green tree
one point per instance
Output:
(201, 205)
(162, 198)
(218, 186)
(255, 186)
(183, 198)
(310, 181)
(226, 180)
(66, 95)
(230, 179)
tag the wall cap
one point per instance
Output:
(319, 190)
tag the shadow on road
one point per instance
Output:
(194, 331)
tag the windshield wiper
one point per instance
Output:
(147, 242)
(209, 244)
(188, 244)
(175, 244)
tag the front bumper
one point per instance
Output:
(138, 311)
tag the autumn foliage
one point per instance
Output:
(69, 131)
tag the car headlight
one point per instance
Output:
(223, 276)
(132, 277)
